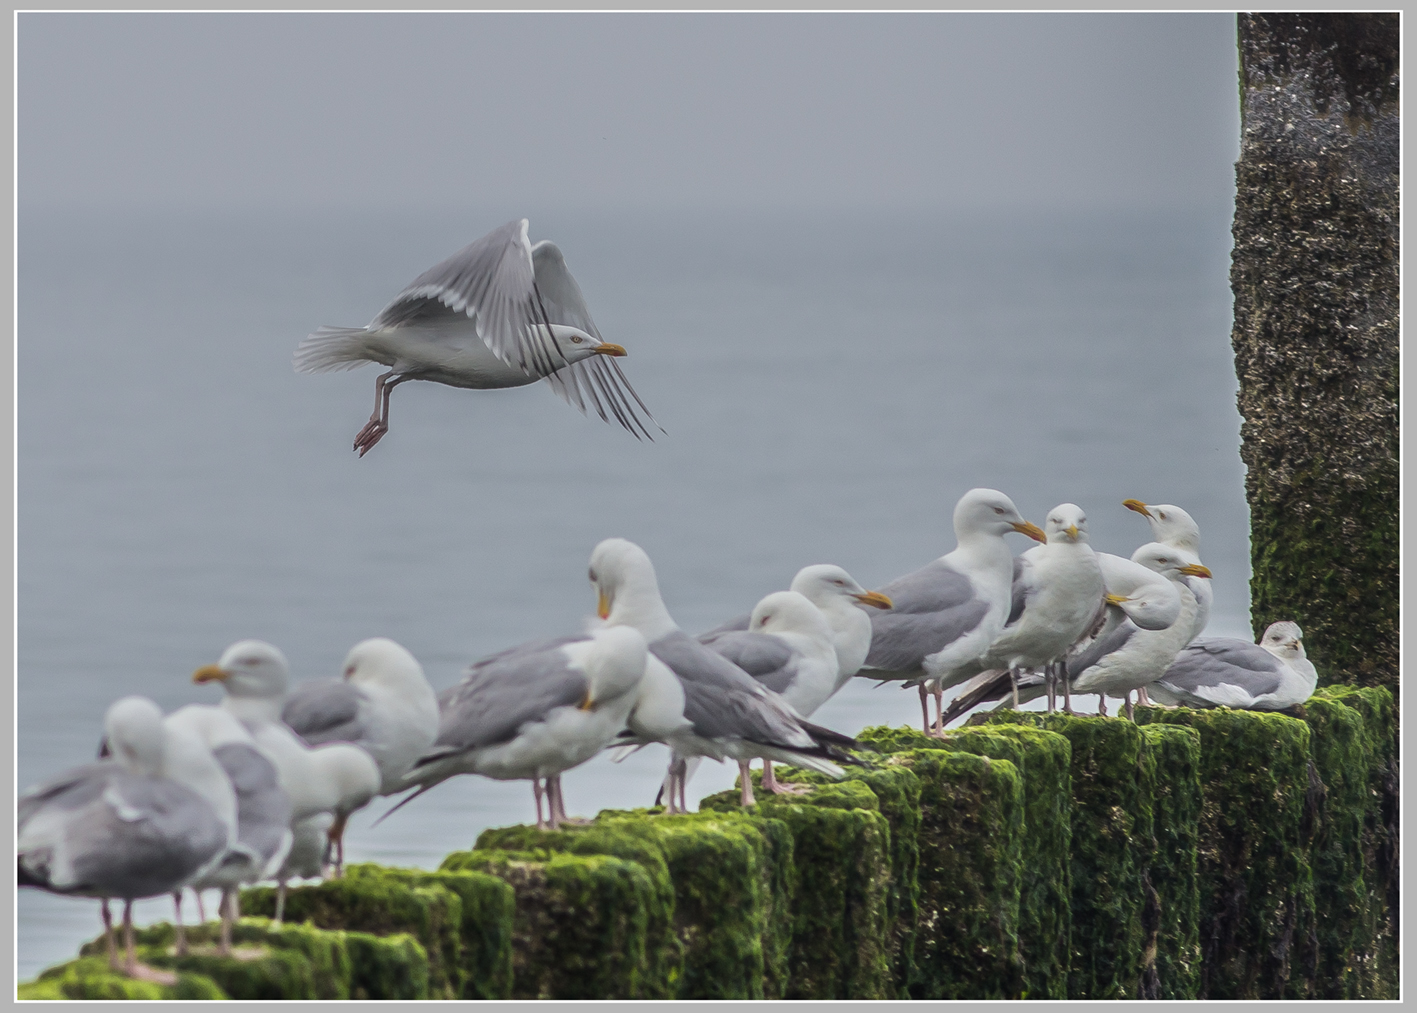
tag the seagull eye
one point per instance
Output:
(592, 576)
(575, 339)
(998, 510)
(349, 671)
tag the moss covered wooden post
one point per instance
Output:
(1315, 279)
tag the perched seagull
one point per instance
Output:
(263, 832)
(1118, 662)
(306, 857)
(835, 593)
(1224, 672)
(498, 313)
(383, 704)
(138, 825)
(732, 715)
(336, 778)
(532, 712)
(945, 615)
(1057, 597)
(788, 647)
(1170, 525)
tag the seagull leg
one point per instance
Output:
(683, 784)
(131, 967)
(108, 934)
(1050, 676)
(939, 694)
(772, 784)
(537, 790)
(181, 944)
(1142, 699)
(228, 905)
(378, 423)
(746, 797)
(925, 706)
(336, 839)
(1013, 681)
(280, 901)
(201, 908)
(1102, 705)
(1067, 694)
(1127, 707)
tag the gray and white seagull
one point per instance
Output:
(498, 313)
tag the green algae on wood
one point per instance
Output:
(1173, 952)
(665, 950)
(971, 846)
(1043, 759)
(487, 910)
(580, 929)
(380, 906)
(1256, 884)
(1111, 846)
(91, 978)
(841, 847)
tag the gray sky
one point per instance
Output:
(894, 111)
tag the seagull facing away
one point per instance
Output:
(730, 714)
(945, 615)
(498, 313)
(137, 825)
(1224, 672)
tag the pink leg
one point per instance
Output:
(1067, 694)
(378, 423)
(939, 695)
(746, 797)
(537, 790)
(228, 906)
(181, 932)
(108, 934)
(1142, 699)
(772, 784)
(925, 706)
(280, 901)
(1101, 705)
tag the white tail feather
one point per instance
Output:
(332, 348)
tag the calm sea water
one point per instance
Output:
(830, 385)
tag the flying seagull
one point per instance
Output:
(498, 313)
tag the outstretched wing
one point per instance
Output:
(494, 282)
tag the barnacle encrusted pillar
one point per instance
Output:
(1315, 279)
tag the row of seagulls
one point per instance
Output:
(499, 313)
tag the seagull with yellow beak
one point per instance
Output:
(1170, 525)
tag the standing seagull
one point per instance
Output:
(945, 615)
(1170, 525)
(498, 313)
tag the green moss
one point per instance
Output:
(1110, 850)
(897, 792)
(92, 978)
(1378, 963)
(841, 845)
(1256, 884)
(485, 929)
(393, 966)
(380, 905)
(580, 929)
(1173, 947)
(971, 847)
(665, 951)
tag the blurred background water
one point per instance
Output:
(830, 383)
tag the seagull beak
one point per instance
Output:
(1195, 570)
(606, 348)
(602, 606)
(1072, 530)
(588, 704)
(1115, 599)
(1137, 505)
(1031, 530)
(210, 673)
(874, 599)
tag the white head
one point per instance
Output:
(615, 664)
(249, 668)
(1168, 561)
(133, 728)
(575, 344)
(823, 582)
(1169, 524)
(1066, 523)
(627, 591)
(1284, 640)
(789, 612)
(990, 512)
(380, 661)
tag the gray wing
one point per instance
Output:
(559, 292)
(263, 808)
(766, 658)
(521, 650)
(933, 607)
(722, 701)
(1210, 663)
(325, 710)
(70, 790)
(136, 837)
(740, 623)
(500, 696)
(1111, 641)
(493, 281)
(1020, 590)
